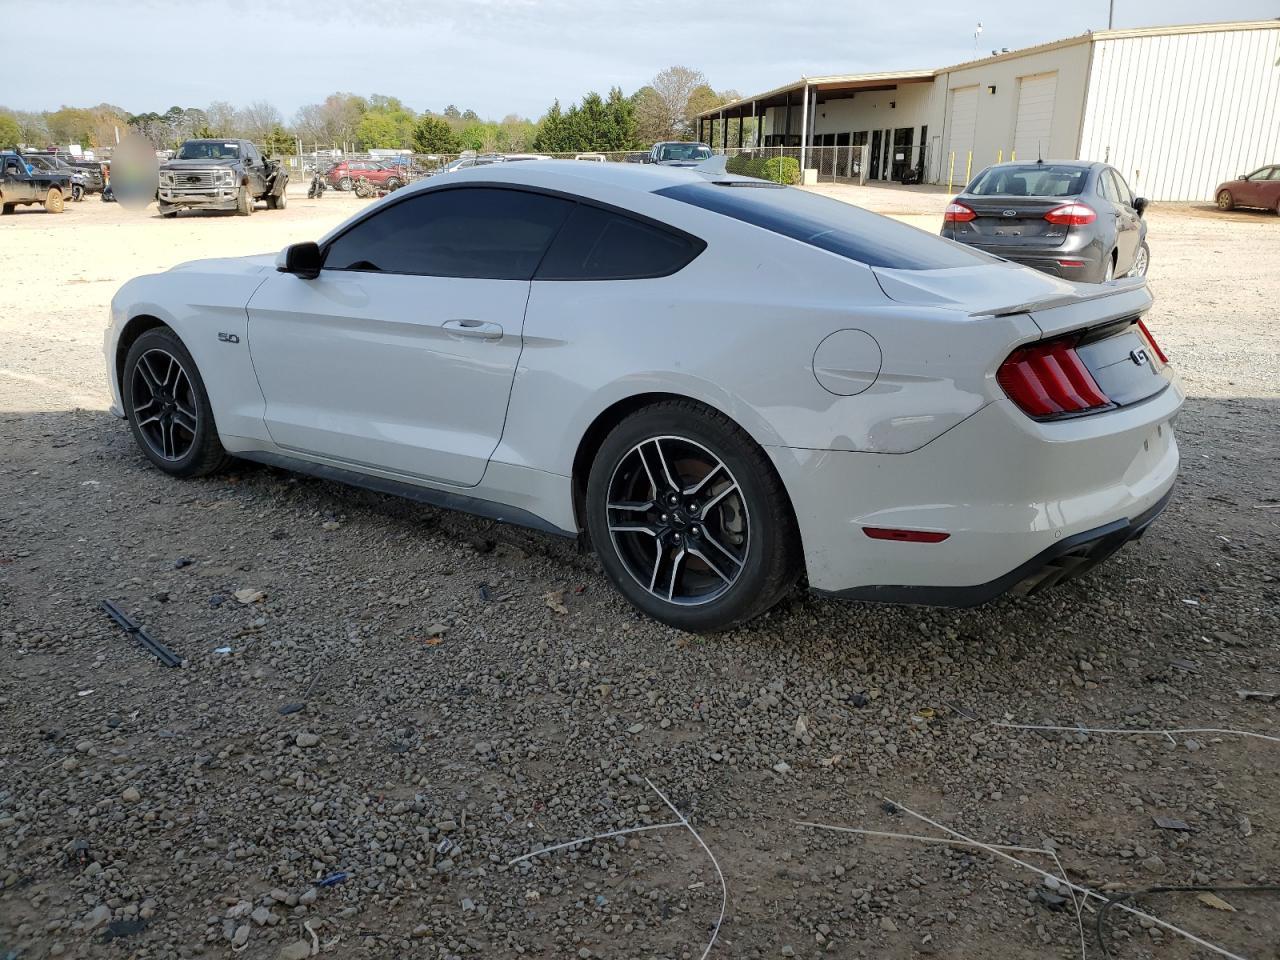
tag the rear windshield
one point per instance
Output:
(828, 224)
(1030, 180)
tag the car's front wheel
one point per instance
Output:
(1225, 200)
(1141, 261)
(689, 518)
(168, 407)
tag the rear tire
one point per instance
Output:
(344, 183)
(168, 407)
(1225, 200)
(53, 200)
(706, 539)
(8, 208)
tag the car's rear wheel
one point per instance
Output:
(8, 208)
(53, 200)
(689, 518)
(1141, 261)
(1225, 200)
(282, 200)
(344, 183)
(394, 183)
(168, 407)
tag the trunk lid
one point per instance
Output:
(1011, 222)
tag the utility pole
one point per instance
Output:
(1111, 15)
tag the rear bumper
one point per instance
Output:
(1066, 560)
(1014, 496)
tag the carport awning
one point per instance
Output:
(829, 88)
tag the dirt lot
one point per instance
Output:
(405, 706)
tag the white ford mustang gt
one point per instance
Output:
(727, 384)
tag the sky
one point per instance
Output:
(515, 56)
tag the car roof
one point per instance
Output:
(646, 178)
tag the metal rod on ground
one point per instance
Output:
(161, 652)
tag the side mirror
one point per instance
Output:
(1140, 204)
(300, 259)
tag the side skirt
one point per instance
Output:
(475, 506)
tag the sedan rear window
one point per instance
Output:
(828, 224)
(1030, 180)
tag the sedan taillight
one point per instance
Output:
(957, 213)
(1049, 379)
(1071, 215)
(1151, 342)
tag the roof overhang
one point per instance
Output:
(829, 88)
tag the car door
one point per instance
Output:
(1270, 190)
(400, 355)
(1128, 224)
(254, 166)
(15, 185)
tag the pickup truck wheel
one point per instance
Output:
(244, 203)
(77, 192)
(53, 200)
(7, 208)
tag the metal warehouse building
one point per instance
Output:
(1176, 109)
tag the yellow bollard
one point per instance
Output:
(951, 174)
(968, 168)
(1013, 156)
(1000, 155)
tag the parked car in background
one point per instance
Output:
(1075, 220)
(22, 183)
(470, 341)
(94, 177)
(52, 163)
(593, 157)
(1260, 189)
(221, 175)
(679, 154)
(344, 174)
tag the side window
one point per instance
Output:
(1275, 173)
(1107, 186)
(598, 244)
(1126, 195)
(472, 232)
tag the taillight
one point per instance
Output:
(957, 213)
(1071, 215)
(1049, 379)
(1151, 342)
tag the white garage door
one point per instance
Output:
(960, 126)
(1036, 95)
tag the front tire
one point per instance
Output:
(244, 203)
(168, 407)
(77, 192)
(1225, 200)
(1141, 261)
(690, 520)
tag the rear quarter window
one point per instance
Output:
(597, 244)
(830, 225)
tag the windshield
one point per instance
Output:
(208, 150)
(684, 151)
(1030, 180)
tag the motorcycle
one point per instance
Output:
(318, 186)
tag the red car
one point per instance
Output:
(1259, 189)
(345, 173)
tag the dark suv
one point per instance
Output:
(1072, 219)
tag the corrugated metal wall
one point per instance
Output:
(1179, 114)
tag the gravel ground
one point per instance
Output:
(413, 698)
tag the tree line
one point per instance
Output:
(663, 109)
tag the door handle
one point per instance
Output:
(472, 329)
